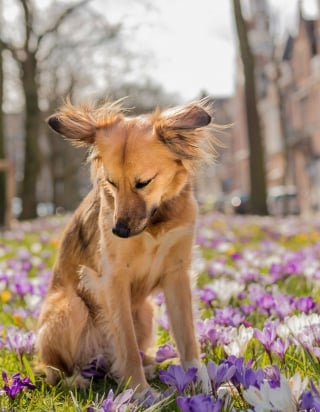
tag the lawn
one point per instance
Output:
(258, 322)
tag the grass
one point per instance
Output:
(276, 258)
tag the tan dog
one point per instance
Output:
(131, 235)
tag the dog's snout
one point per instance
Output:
(121, 229)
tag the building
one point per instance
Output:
(288, 89)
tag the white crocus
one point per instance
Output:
(226, 289)
(294, 325)
(268, 399)
(240, 340)
(297, 385)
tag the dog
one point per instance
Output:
(131, 235)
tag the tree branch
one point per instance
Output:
(28, 22)
(60, 20)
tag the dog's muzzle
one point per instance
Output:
(121, 229)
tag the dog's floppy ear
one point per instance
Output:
(186, 118)
(188, 132)
(74, 123)
(80, 124)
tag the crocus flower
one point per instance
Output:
(219, 374)
(267, 335)
(165, 352)
(244, 374)
(309, 402)
(112, 403)
(207, 295)
(14, 385)
(267, 398)
(199, 403)
(229, 316)
(239, 342)
(177, 377)
(305, 304)
(117, 403)
(266, 303)
(97, 368)
(297, 385)
(226, 289)
(273, 376)
(20, 342)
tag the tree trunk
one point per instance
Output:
(2, 148)
(258, 194)
(32, 151)
(284, 134)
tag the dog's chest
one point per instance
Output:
(139, 262)
(154, 260)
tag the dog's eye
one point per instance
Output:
(111, 182)
(140, 185)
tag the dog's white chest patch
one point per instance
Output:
(143, 264)
(157, 250)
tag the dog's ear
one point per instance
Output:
(74, 123)
(186, 118)
(188, 132)
(80, 124)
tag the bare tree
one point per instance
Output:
(2, 149)
(38, 46)
(258, 192)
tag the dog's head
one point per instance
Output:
(141, 161)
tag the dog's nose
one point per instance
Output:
(121, 229)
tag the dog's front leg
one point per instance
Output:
(179, 305)
(127, 364)
(178, 297)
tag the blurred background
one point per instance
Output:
(258, 60)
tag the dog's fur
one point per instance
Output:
(131, 235)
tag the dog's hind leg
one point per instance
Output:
(61, 326)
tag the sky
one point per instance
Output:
(189, 47)
(192, 44)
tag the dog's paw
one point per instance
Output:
(147, 397)
(150, 372)
(77, 381)
(140, 395)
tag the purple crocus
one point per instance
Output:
(293, 265)
(267, 335)
(177, 377)
(165, 352)
(117, 403)
(244, 375)
(305, 304)
(266, 303)
(14, 385)
(219, 374)
(214, 336)
(279, 346)
(273, 376)
(229, 316)
(207, 295)
(97, 368)
(309, 402)
(114, 403)
(199, 403)
(20, 342)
